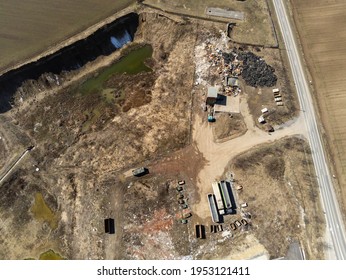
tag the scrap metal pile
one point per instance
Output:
(254, 70)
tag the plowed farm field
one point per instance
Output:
(30, 27)
(321, 28)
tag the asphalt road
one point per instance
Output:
(3, 177)
(329, 202)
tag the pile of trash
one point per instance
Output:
(256, 72)
(214, 57)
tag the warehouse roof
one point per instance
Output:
(212, 92)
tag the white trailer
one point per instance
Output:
(218, 198)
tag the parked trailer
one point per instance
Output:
(202, 232)
(198, 231)
(225, 194)
(109, 226)
(140, 171)
(213, 209)
(264, 110)
(218, 197)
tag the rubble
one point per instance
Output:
(256, 72)
(229, 64)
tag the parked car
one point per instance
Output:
(237, 223)
(244, 222)
(187, 215)
(181, 182)
(233, 226)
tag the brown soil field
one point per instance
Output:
(283, 200)
(283, 207)
(259, 98)
(322, 34)
(83, 142)
(228, 127)
(87, 144)
(256, 28)
(31, 27)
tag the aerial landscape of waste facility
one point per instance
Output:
(177, 129)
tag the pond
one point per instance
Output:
(132, 63)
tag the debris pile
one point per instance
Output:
(231, 64)
(256, 72)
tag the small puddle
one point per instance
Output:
(42, 212)
(50, 255)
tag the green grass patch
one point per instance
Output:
(132, 63)
(42, 212)
(93, 117)
(50, 255)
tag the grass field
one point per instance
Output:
(30, 27)
(255, 29)
(321, 25)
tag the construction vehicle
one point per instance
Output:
(211, 115)
(140, 172)
(211, 118)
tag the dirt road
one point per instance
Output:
(218, 155)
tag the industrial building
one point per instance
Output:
(232, 82)
(222, 201)
(212, 95)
